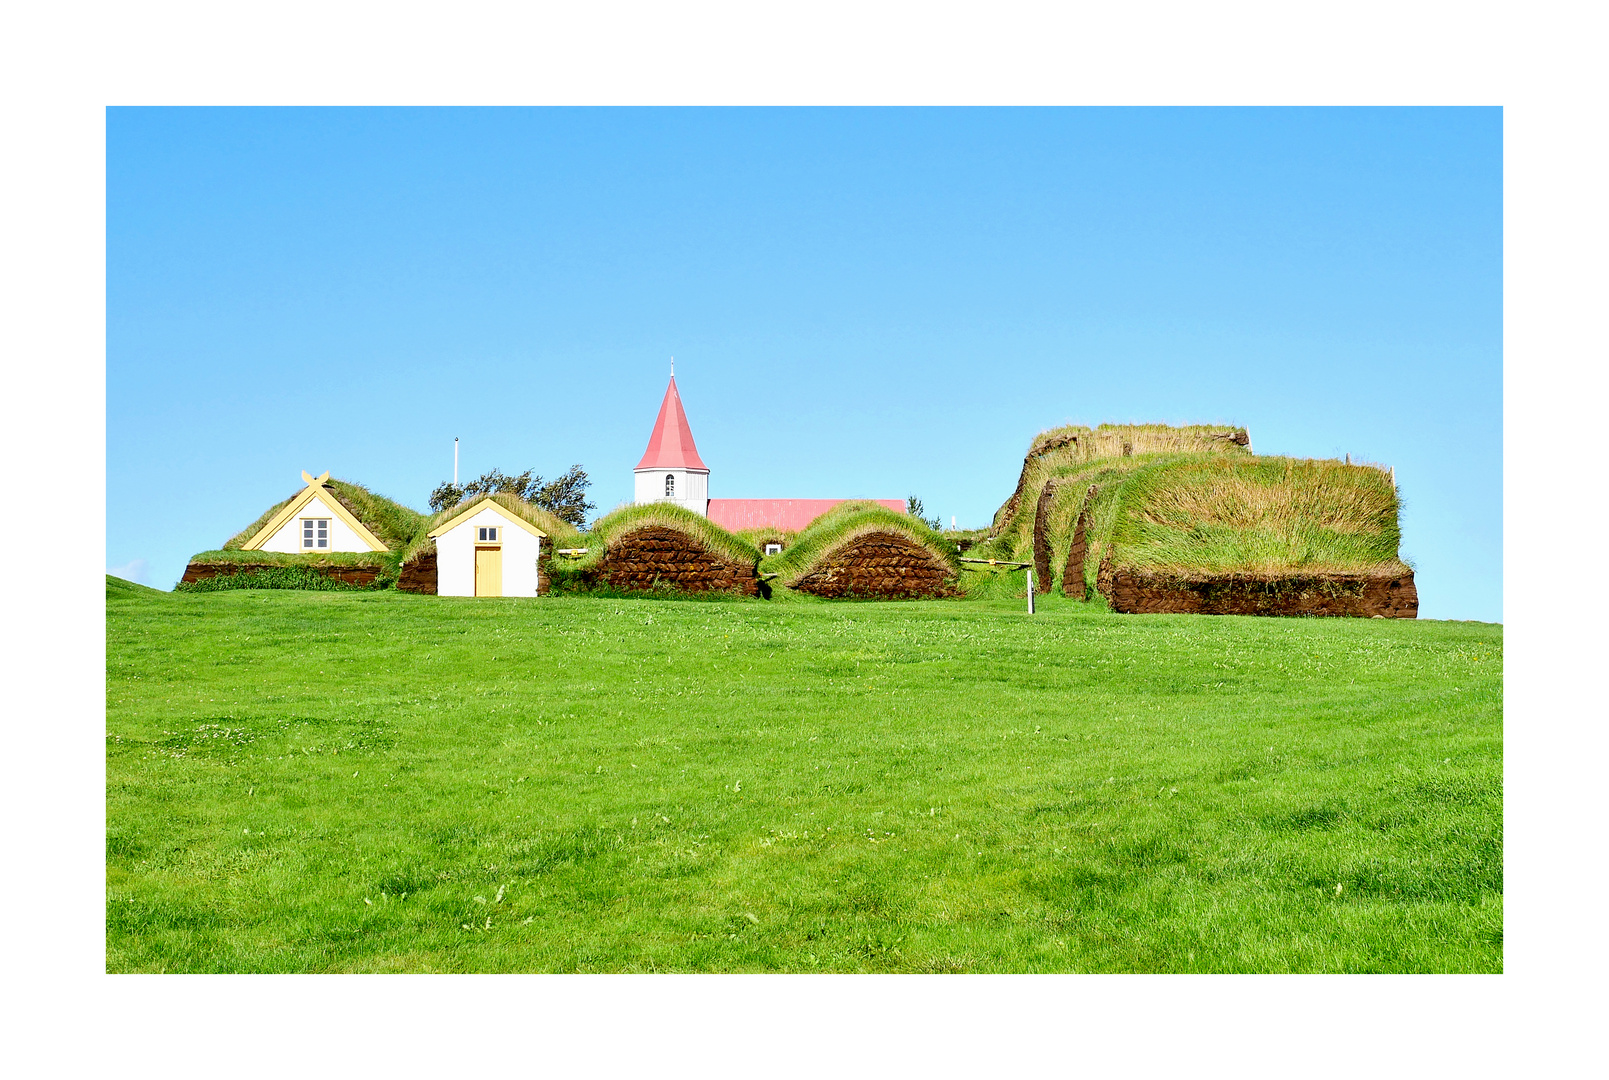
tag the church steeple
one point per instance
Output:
(671, 470)
(671, 445)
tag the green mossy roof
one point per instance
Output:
(393, 524)
(844, 523)
(609, 529)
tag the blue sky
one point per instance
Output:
(864, 303)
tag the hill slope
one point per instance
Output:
(384, 782)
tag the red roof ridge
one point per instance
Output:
(671, 445)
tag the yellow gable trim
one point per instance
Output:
(315, 489)
(459, 519)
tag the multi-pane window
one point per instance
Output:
(487, 533)
(315, 532)
(773, 549)
(670, 485)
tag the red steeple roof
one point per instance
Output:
(671, 444)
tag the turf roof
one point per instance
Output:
(845, 523)
(559, 531)
(393, 524)
(607, 532)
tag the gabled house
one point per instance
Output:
(486, 549)
(313, 523)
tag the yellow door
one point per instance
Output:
(488, 571)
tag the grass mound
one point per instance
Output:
(609, 530)
(842, 526)
(612, 544)
(1187, 502)
(121, 589)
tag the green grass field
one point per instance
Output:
(385, 782)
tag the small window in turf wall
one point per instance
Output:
(315, 532)
(773, 549)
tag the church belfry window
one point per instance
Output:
(670, 485)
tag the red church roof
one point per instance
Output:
(671, 444)
(790, 514)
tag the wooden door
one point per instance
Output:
(488, 571)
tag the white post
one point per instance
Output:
(455, 461)
(1030, 590)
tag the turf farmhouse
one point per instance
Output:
(378, 781)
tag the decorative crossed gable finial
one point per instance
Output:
(310, 482)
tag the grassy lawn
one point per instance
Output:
(384, 782)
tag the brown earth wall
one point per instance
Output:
(419, 574)
(352, 575)
(660, 557)
(1359, 595)
(880, 565)
(1042, 538)
(1072, 577)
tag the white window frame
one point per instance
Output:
(773, 548)
(670, 485)
(488, 534)
(311, 528)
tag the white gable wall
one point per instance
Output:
(692, 488)
(455, 556)
(289, 537)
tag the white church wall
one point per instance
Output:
(455, 556)
(288, 538)
(692, 488)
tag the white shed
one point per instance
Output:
(314, 523)
(487, 550)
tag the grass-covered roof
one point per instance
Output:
(393, 524)
(1072, 448)
(608, 530)
(847, 522)
(559, 532)
(1212, 514)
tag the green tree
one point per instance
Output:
(564, 496)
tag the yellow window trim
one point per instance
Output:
(486, 501)
(315, 488)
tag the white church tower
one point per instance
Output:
(671, 470)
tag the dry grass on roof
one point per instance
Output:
(1061, 450)
(1275, 515)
